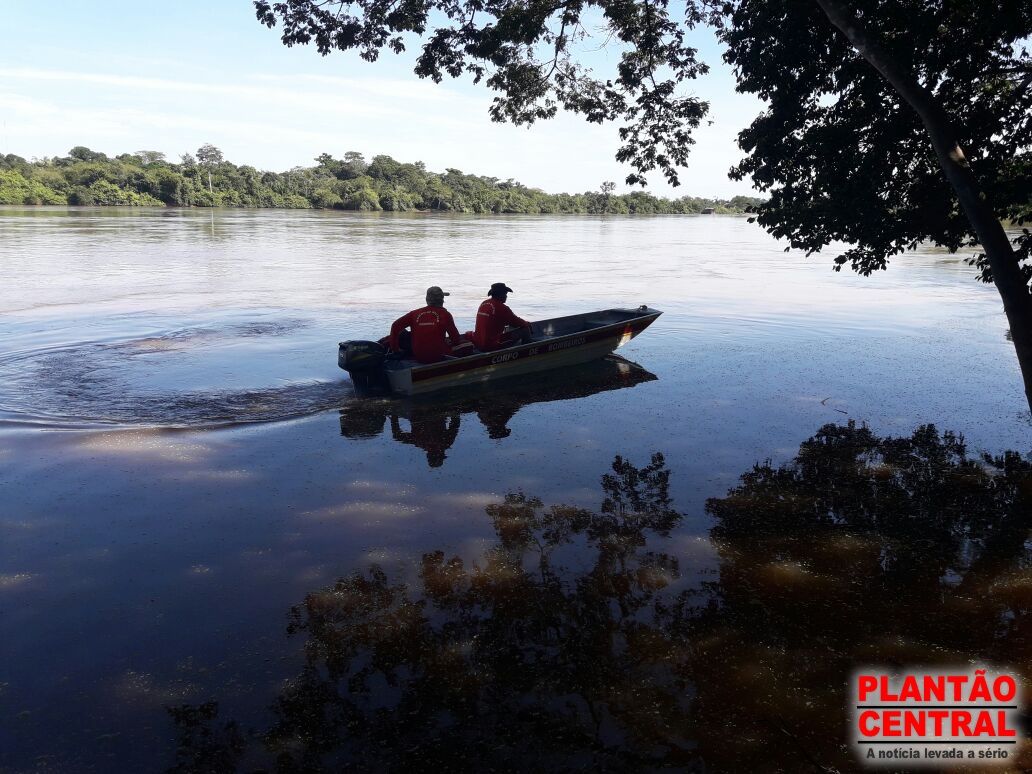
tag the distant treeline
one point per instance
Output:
(206, 179)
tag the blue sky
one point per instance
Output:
(123, 76)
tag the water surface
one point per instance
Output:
(188, 478)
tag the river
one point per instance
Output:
(186, 474)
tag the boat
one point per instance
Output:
(554, 343)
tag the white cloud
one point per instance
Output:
(275, 121)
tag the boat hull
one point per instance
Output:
(557, 343)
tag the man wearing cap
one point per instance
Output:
(434, 334)
(493, 317)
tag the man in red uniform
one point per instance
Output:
(433, 330)
(493, 317)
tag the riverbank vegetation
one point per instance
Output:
(206, 179)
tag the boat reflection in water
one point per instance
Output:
(433, 422)
(573, 643)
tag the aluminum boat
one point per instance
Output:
(554, 343)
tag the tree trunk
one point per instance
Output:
(1017, 300)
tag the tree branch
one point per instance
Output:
(999, 252)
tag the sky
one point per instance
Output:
(120, 77)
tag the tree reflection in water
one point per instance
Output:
(565, 648)
(863, 550)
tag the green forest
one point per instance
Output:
(206, 179)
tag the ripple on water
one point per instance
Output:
(187, 377)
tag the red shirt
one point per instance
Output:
(429, 326)
(492, 317)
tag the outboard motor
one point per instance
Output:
(363, 360)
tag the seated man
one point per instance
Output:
(492, 319)
(434, 335)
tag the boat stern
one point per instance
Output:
(364, 361)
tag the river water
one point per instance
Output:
(214, 555)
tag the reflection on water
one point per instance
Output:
(574, 643)
(547, 653)
(433, 423)
(862, 550)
